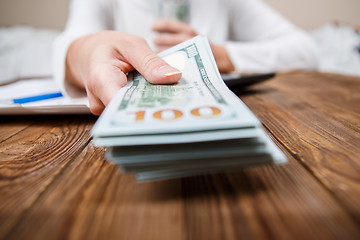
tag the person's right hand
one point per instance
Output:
(99, 63)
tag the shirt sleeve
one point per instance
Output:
(261, 40)
(85, 17)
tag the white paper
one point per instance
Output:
(34, 87)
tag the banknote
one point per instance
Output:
(134, 155)
(199, 104)
(173, 138)
(196, 126)
(157, 154)
(157, 162)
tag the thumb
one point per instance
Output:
(138, 53)
(157, 71)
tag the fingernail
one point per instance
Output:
(167, 70)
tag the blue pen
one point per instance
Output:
(37, 98)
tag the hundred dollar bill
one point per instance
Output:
(200, 104)
(196, 159)
(197, 126)
(156, 154)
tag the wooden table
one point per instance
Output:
(54, 184)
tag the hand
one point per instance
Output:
(222, 58)
(172, 32)
(99, 63)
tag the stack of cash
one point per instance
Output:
(196, 126)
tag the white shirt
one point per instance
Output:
(256, 37)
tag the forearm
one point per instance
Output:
(296, 51)
(81, 22)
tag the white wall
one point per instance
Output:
(311, 14)
(38, 13)
(308, 14)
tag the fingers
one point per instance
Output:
(173, 26)
(169, 39)
(96, 106)
(171, 32)
(137, 53)
(102, 85)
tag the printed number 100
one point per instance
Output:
(174, 114)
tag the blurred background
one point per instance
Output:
(29, 27)
(307, 14)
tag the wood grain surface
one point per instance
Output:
(317, 118)
(54, 184)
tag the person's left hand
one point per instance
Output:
(171, 32)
